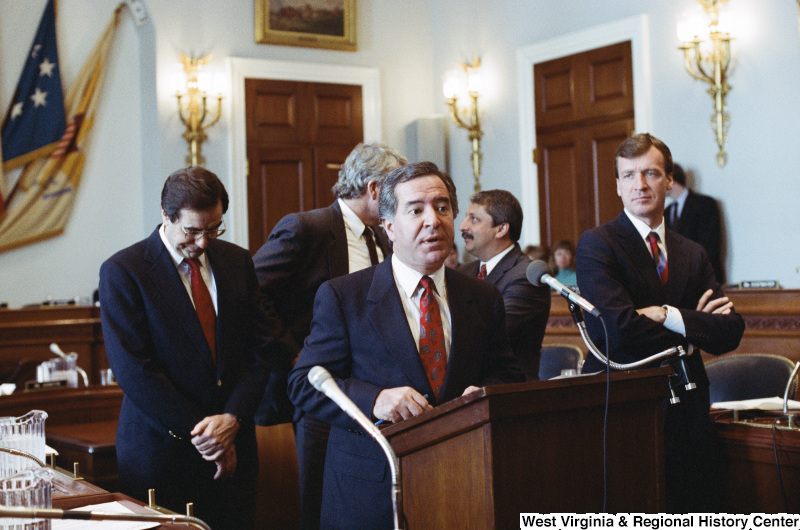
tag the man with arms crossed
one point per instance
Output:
(655, 290)
(398, 338)
(491, 230)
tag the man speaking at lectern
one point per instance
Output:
(398, 338)
(656, 290)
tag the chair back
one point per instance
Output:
(557, 357)
(741, 376)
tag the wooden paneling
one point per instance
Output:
(26, 335)
(298, 135)
(577, 184)
(281, 181)
(592, 85)
(480, 460)
(750, 479)
(772, 322)
(584, 110)
(338, 118)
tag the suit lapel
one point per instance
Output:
(385, 312)
(383, 241)
(338, 258)
(503, 266)
(464, 319)
(223, 280)
(637, 253)
(677, 261)
(167, 280)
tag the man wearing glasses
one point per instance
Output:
(191, 347)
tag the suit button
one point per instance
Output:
(219, 383)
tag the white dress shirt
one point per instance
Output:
(186, 273)
(357, 251)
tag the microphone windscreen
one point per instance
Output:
(535, 271)
(318, 375)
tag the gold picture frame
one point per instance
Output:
(329, 24)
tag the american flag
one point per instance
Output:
(36, 119)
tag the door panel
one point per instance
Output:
(604, 140)
(560, 171)
(298, 135)
(280, 182)
(584, 110)
(338, 117)
(328, 160)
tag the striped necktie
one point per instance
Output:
(659, 257)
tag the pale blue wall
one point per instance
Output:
(412, 43)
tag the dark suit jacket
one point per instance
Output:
(700, 222)
(617, 274)
(303, 250)
(527, 307)
(361, 336)
(161, 360)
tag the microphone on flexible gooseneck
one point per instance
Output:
(321, 379)
(539, 272)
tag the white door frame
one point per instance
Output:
(634, 29)
(241, 69)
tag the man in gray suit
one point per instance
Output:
(304, 250)
(491, 231)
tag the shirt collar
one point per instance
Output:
(177, 258)
(644, 229)
(351, 220)
(409, 278)
(492, 263)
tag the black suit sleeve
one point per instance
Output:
(329, 346)
(277, 265)
(603, 279)
(131, 350)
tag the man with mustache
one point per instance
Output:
(656, 290)
(491, 230)
(398, 339)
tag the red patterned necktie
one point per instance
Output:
(431, 337)
(482, 272)
(659, 257)
(204, 306)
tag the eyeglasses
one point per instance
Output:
(196, 233)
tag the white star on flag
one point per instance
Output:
(46, 67)
(39, 98)
(35, 52)
(16, 110)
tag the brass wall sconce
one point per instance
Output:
(707, 56)
(193, 112)
(469, 80)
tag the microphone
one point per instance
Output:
(539, 272)
(321, 379)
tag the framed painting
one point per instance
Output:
(327, 24)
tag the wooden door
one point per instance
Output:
(584, 110)
(298, 135)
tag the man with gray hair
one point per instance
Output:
(304, 250)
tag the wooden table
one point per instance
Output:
(750, 474)
(92, 446)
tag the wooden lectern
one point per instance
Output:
(480, 460)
